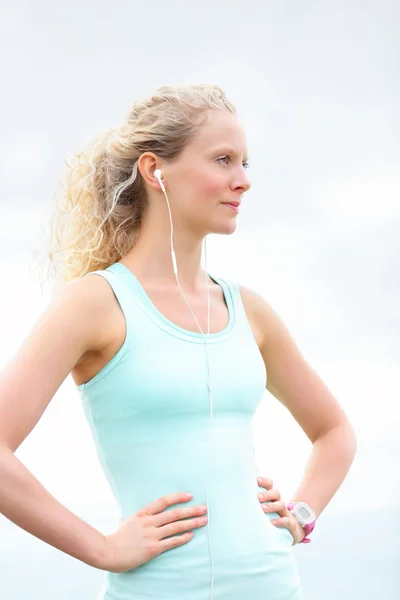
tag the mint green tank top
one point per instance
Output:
(148, 410)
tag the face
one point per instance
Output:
(208, 174)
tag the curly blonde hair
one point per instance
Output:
(100, 198)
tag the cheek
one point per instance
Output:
(208, 185)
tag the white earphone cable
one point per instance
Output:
(157, 174)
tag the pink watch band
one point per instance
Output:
(307, 528)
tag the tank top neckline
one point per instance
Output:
(134, 284)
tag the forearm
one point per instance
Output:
(25, 502)
(330, 460)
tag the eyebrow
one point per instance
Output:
(223, 148)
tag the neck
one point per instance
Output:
(151, 261)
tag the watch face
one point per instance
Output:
(304, 512)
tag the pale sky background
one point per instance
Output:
(317, 90)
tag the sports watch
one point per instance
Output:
(304, 514)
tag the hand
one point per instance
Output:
(141, 537)
(277, 505)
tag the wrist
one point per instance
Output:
(304, 532)
(101, 556)
(305, 516)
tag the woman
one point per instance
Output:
(170, 406)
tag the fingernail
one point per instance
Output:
(260, 496)
(259, 479)
(274, 522)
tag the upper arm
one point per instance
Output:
(290, 378)
(69, 327)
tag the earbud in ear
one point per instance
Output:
(158, 174)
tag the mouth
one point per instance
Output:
(237, 204)
(232, 205)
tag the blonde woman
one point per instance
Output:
(171, 363)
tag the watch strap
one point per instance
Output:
(308, 528)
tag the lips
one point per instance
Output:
(233, 203)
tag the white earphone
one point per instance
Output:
(158, 175)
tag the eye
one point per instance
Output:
(227, 156)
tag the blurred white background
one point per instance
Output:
(317, 91)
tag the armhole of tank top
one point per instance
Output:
(239, 306)
(114, 283)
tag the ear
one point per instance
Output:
(147, 165)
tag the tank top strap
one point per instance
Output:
(241, 317)
(122, 294)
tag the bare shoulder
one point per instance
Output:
(258, 312)
(270, 327)
(92, 301)
(92, 289)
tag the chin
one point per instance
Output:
(225, 228)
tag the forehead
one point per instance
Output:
(221, 129)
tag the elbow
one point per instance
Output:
(349, 432)
(5, 453)
(343, 434)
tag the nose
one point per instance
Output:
(247, 184)
(242, 182)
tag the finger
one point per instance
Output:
(181, 526)
(265, 482)
(164, 502)
(278, 507)
(175, 514)
(269, 495)
(175, 541)
(286, 522)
